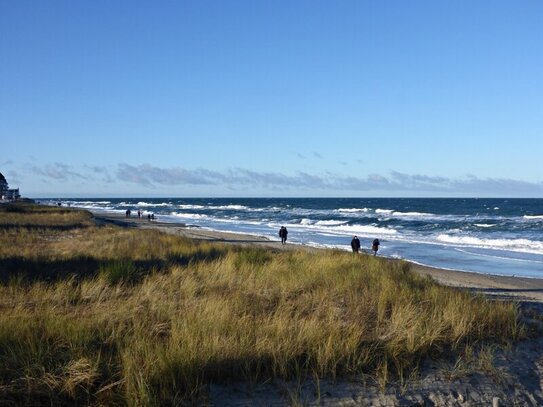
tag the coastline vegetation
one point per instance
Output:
(105, 315)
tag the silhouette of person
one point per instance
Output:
(355, 244)
(375, 246)
(283, 232)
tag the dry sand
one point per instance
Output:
(518, 288)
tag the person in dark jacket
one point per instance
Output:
(283, 232)
(355, 244)
(375, 246)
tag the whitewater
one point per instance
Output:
(491, 236)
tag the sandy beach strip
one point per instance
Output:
(500, 287)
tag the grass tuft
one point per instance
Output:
(119, 271)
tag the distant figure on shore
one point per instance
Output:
(283, 232)
(149, 217)
(375, 246)
(152, 216)
(355, 244)
(128, 213)
(139, 213)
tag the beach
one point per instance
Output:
(230, 319)
(500, 287)
(487, 236)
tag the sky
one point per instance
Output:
(252, 98)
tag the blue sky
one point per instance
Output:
(262, 98)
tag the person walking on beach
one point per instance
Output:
(283, 232)
(375, 246)
(355, 244)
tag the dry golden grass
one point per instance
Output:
(114, 316)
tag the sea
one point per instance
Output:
(490, 236)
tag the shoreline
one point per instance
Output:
(524, 289)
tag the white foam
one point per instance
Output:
(519, 245)
(147, 204)
(385, 211)
(230, 207)
(485, 225)
(91, 206)
(191, 206)
(306, 221)
(90, 202)
(352, 210)
(364, 229)
(189, 215)
(412, 214)
(497, 257)
(330, 222)
(533, 216)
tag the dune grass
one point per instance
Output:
(105, 315)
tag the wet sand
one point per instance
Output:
(500, 287)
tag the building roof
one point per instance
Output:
(2, 178)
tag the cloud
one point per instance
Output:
(58, 171)
(317, 155)
(148, 175)
(102, 172)
(300, 155)
(242, 180)
(97, 169)
(393, 182)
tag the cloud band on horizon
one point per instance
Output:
(149, 176)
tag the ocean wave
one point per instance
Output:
(330, 222)
(352, 210)
(189, 215)
(485, 225)
(90, 202)
(342, 229)
(363, 229)
(533, 216)
(96, 207)
(520, 245)
(412, 214)
(147, 204)
(306, 221)
(498, 257)
(191, 206)
(229, 207)
(384, 211)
